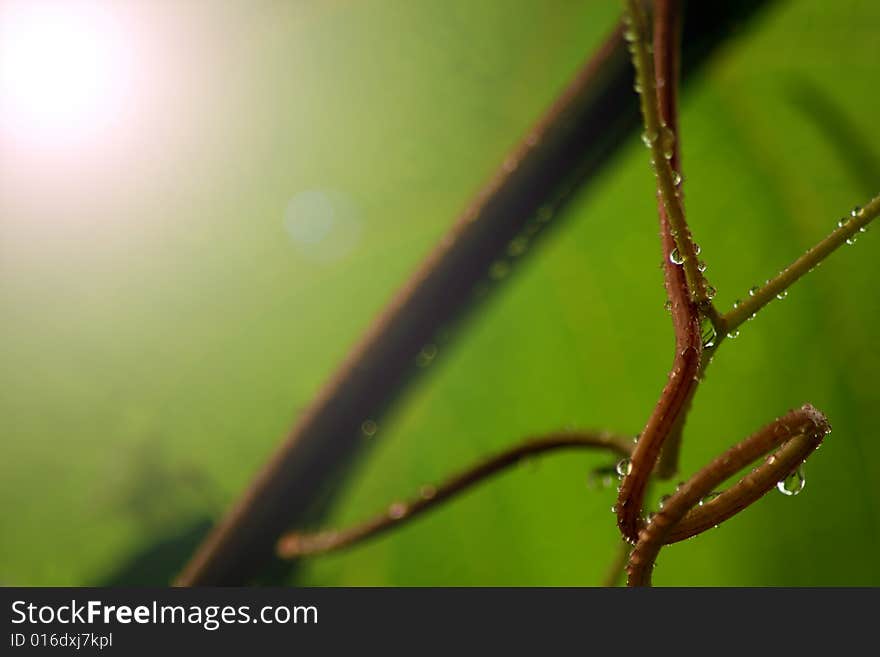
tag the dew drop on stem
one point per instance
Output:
(793, 483)
(676, 258)
(708, 333)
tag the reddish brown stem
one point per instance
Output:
(296, 544)
(668, 416)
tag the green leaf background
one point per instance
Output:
(160, 333)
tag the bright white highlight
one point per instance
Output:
(65, 71)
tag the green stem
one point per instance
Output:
(845, 233)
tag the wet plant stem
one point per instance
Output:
(298, 544)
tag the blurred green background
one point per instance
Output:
(171, 298)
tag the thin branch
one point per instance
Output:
(295, 544)
(848, 228)
(799, 432)
(685, 316)
(660, 139)
(664, 427)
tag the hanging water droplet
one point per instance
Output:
(734, 334)
(855, 212)
(843, 221)
(851, 240)
(710, 292)
(863, 229)
(668, 305)
(793, 483)
(426, 355)
(702, 266)
(369, 428)
(737, 303)
(709, 497)
(624, 467)
(676, 178)
(753, 290)
(781, 294)
(708, 333)
(676, 258)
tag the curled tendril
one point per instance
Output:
(793, 437)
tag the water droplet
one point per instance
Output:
(863, 229)
(851, 240)
(499, 270)
(843, 221)
(702, 266)
(709, 497)
(668, 305)
(397, 510)
(676, 178)
(793, 483)
(781, 294)
(710, 292)
(614, 509)
(650, 517)
(649, 137)
(624, 467)
(662, 501)
(855, 212)
(753, 290)
(369, 428)
(676, 258)
(734, 334)
(708, 333)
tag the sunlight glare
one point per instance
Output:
(64, 71)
